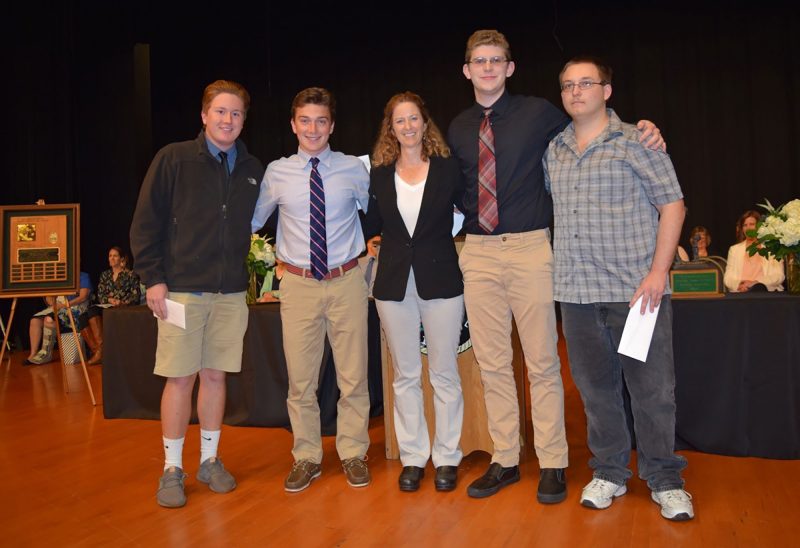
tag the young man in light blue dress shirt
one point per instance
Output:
(334, 302)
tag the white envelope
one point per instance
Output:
(176, 314)
(638, 332)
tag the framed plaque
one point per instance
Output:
(699, 282)
(40, 253)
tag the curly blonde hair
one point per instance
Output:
(387, 149)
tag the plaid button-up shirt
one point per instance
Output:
(605, 216)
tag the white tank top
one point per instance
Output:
(409, 200)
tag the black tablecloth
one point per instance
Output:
(737, 369)
(256, 396)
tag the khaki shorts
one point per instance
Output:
(213, 338)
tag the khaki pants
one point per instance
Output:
(309, 310)
(513, 274)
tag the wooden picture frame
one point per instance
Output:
(40, 250)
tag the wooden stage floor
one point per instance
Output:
(72, 478)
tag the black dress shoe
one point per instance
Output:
(495, 478)
(409, 478)
(552, 486)
(446, 478)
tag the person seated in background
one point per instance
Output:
(118, 286)
(42, 328)
(369, 261)
(271, 294)
(700, 242)
(746, 273)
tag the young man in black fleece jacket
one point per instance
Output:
(190, 237)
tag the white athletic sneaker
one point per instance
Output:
(676, 504)
(600, 493)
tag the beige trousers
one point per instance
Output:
(310, 309)
(505, 275)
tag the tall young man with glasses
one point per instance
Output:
(507, 262)
(597, 169)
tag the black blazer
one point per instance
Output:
(430, 250)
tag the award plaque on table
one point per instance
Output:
(695, 283)
(40, 250)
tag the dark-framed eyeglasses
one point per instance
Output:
(583, 85)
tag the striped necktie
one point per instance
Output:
(319, 246)
(487, 176)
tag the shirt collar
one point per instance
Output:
(611, 131)
(214, 150)
(324, 156)
(499, 107)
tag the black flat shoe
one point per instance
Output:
(552, 486)
(409, 478)
(495, 478)
(445, 479)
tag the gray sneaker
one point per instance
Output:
(214, 474)
(355, 469)
(303, 471)
(170, 488)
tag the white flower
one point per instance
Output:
(778, 234)
(792, 209)
(790, 231)
(262, 251)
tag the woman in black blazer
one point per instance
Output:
(414, 185)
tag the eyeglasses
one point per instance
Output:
(583, 85)
(491, 60)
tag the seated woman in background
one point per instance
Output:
(118, 286)
(700, 242)
(746, 273)
(43, 327)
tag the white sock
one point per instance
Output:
(173, 452)
(209, 441)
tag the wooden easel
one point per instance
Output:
(56, 228)
(58, 335)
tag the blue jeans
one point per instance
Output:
(593, 332)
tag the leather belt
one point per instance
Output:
(332, 273)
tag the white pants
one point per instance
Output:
(441, 319)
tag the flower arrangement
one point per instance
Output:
(778, 234)
(260, 259)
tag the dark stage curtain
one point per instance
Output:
(97, 88)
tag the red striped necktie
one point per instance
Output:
(487, 176)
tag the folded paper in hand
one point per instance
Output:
(638, 332)
(176, 313)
